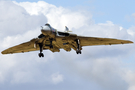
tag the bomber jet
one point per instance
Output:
(55, 40)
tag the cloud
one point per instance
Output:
(107, 72)
(130, 78)
(15, 20)
(57, 14)
(103, 65)
(57, 78)
(133, 15)
(131, 31)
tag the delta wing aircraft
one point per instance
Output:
(55, 40)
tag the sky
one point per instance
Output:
(97, 68)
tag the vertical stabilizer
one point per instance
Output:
(66, 29)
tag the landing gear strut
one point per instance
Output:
(41, 49)
(78, 51)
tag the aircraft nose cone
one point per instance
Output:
(46, 32)
(42, 31)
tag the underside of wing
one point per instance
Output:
(55, 47)
(89, 41)
(24, 47)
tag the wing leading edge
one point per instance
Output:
(84, 41)
(31, 46)
(21, 48)
(90, 41)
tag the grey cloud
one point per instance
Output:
(15, 20)
(58, 14)
(104, 71)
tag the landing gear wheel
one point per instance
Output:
(41, 55)
(78, 52)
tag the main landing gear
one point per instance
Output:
(41, 49)
(78, 51)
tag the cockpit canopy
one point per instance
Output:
(48, 27)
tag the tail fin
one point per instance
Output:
(66, 29)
